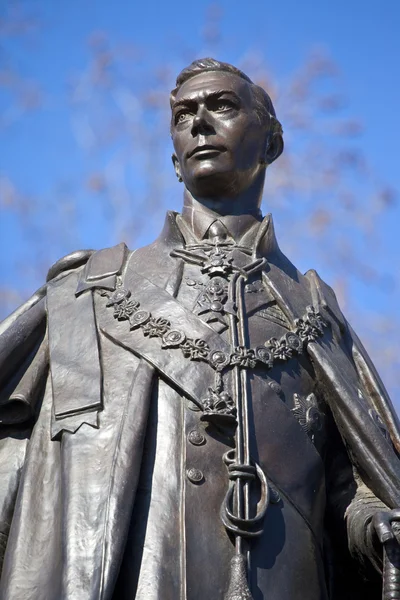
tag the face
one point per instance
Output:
(218, 139)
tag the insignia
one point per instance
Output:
(216, 259)
(219, 408)
(218, 262)
(211, 303)
(307, 413)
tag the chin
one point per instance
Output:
(212, 184)
(207, 179)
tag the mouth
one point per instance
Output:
(206, 151)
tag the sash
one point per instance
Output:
(192, 376)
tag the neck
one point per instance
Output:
(247, 202)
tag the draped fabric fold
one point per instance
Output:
(23, 363)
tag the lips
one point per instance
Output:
(206, 148)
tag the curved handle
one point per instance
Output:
(250, 527)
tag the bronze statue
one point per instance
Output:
(196, 419)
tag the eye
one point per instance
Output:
(223, 105)
(182, 116)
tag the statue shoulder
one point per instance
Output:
(70, 261)
(324, 298)
(98, 263)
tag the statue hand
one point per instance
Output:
(386, 525)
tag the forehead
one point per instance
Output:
(210, 82)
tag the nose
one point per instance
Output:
(201, 124)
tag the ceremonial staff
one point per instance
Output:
(235, 511)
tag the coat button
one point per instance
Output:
(196, 438)
(274, 495)
(274, 385)
(195, 475)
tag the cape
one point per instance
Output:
(65, 453)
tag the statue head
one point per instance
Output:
(224, 130)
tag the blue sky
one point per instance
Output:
(361, 37)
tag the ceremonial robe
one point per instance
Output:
(112, 481)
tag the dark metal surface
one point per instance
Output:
(196, 419)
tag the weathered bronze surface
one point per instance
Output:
(196, 419)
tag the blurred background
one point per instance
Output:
(85, 156)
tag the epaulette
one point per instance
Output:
(102, 269)
(70, 261)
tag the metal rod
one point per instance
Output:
(244, 394)
(239, 430)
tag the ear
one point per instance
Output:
(274, 148)
(177, 167)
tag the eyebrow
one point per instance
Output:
(213, 95)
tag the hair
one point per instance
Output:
(263, 103)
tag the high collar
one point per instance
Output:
(259, 236)
(199, 219)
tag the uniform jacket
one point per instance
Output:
(111, 484)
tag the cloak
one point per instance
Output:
(76, 388)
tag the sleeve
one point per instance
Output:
(363, 543)
(353, 555)
(23, 360)
(364, 475)
(24, 368)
